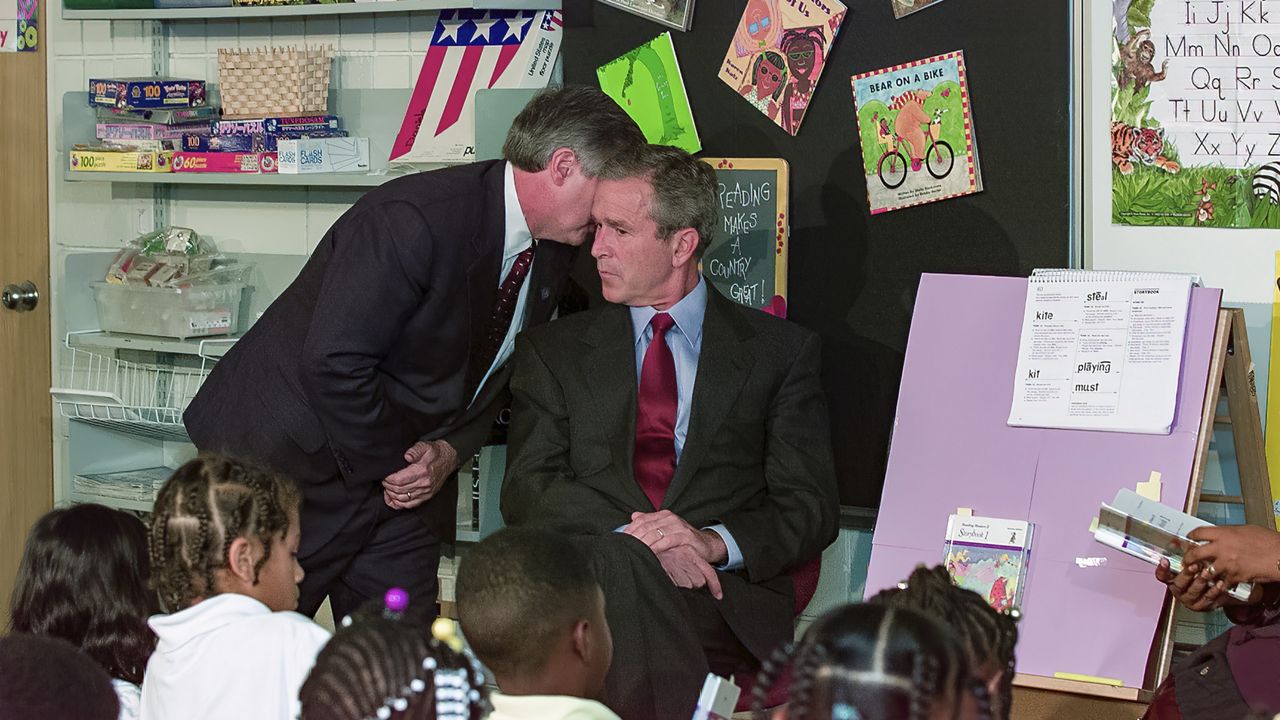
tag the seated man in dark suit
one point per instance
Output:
(681, 438)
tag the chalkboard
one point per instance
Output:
(852, 276)
(747, 258)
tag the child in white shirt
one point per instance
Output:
(224, 543)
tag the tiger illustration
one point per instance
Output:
(1144, 145)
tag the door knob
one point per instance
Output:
(20, 298)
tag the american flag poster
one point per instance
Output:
(473, 50)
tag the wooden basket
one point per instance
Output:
(274, 81)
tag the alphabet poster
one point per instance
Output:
(18, 31)
(916, 130)
(778, 53)
(1195, 113)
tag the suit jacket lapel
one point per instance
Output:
(722, 368)
(486, 265)
(611, 375)
(547, 278)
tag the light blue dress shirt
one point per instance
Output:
(685, 341)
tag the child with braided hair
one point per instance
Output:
(386, 664)
(224, 543)
(988, 636)
(871, 662)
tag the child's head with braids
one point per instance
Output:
(222, 526)
(386, 664)
(988, 636)
(871, 662)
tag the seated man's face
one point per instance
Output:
(636, 267)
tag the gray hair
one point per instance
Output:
(577, 117)
(684, 192)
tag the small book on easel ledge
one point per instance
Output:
(1101, 350)
(989, 556)
(1152, 531)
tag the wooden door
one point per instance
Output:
(26, 435)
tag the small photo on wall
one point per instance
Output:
(902, 8)
(778, 53)
(677, 14)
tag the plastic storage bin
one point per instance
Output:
(182, 313)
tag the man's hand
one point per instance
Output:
(664, 530)
(430, 464)
(687, 570)
(1194, 587)
(1239, 553)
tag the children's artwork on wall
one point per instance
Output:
(1195, 114)
(672, 13)
(473, 50)
(778, 53)
(916, 131)
(902, 8)
(646, 82)
(18, 26)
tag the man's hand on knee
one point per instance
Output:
(664, 530)
(687, 570)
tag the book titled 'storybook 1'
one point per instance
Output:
(915, 125)
(990, 557)
(778, 53)
(646, 83)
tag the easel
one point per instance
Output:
(1230, 368)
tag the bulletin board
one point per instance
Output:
(853, 277)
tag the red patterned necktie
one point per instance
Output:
(503, 311)
(655, 454)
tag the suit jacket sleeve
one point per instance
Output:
(374, 283)
(538, 446)
(799, 515)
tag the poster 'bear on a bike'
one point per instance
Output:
(916, 129)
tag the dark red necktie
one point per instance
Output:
(655, 454)
(503, 310)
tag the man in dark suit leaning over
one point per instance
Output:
(383, 363)
(684, 440)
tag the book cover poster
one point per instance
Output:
(902, 8)
(989, 556)
(646, 82)
(18, 26)
(1195, 114)
(778, 52)
(471, 50)
(916, 130)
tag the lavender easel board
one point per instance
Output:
(952, 448)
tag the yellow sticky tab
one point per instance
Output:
(1093, 526)
(964, 512)
(1089, 679)
(1151, 488)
